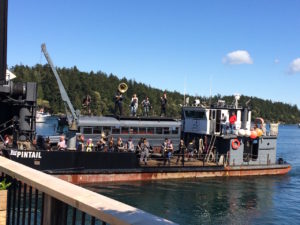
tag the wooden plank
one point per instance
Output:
(99, 206)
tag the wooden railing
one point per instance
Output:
(38, 198)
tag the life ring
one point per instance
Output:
(235, 144)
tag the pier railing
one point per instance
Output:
(37, 198)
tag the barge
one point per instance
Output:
(242, 152)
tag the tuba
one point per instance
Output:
(122, 88)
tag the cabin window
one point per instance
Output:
(106, 130)
(166, 130)
(125, 130)
(254, 149)
(175, 130)
(212, 114)
(115, 130)
(150, 130)
(133, 130)
(159, 130)
(87, 130)
(142, 130)
(97, 130)
(195, 114)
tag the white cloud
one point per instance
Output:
(295, 66)
(276, 61)
(237, 57)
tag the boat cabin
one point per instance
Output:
(209, 120)
(154, 129)
(247, 144)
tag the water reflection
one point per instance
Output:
(199, 201)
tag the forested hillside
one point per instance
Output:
(102, 87)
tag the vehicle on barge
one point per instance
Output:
(215, 154)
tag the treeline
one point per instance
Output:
(102, 88)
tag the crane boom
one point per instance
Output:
(63, 93)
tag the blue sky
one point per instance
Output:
(247, 47)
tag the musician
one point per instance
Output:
(118, 102)
(181, 151)
(164, 150)
(145, 147)
(163, 104)
(134, 105)
(146, 105)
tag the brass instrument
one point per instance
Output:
(122, 88)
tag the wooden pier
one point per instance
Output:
(61, 200)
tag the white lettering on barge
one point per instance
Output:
(26, 154)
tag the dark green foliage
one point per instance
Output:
(102, 87)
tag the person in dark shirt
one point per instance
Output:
(181, 151)
(111, 145)
(163, 105)
(119, 103)
(80, 143)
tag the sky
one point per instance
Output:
(199, 47)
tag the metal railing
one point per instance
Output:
(35, 198)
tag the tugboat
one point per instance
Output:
(212, 148)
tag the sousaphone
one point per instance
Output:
(122, 88)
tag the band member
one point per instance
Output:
(181, 151)
(134, 105)
(130, 145)
(120, 146)
(147, 106)
(163, 104)
(145, 147)
(119, 102)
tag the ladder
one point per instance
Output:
(210, 153)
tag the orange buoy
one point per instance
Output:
(235, 144)
(259, 132)
(253, 135)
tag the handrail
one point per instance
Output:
(99, 206)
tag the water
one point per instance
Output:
(233, 200)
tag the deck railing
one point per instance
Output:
(37, 198)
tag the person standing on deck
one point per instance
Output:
(80, 143)
(191, 149)
(144, 151)
(223, 124)
(119, 103)
(164, 150)
(89, 145)
(181, 151)
(134, 105)
(232, 121)
(163, 105)
(170, 150)
(146, 105)
(61, 145)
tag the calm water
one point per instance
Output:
(249, 200)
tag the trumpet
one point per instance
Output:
(122, 88)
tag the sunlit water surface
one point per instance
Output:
(231, 200)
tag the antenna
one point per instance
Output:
(210, 87)
(184, 90)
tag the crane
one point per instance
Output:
(67, 103)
